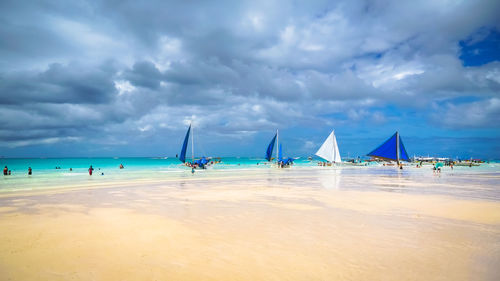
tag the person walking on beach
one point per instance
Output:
(29, 171)
(90, 170)
(5, 171)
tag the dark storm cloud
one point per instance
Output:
(144, 74)
(36, 42)
(58, 84)
(202, 72)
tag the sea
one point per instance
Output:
(70, 172)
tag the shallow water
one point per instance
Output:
(459, 181)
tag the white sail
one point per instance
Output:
(330, 150)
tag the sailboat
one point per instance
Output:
(200, 163)
(270, 147)
(280, 161)
(329, 150)
(392, 149)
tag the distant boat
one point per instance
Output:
(391, 149)
(182, 156)
(270, 148)
(200, 163)
(280, 161)
(329, 150)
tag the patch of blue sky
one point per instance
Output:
(480, 48)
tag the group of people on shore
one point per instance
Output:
(7, 172)
(91, 169)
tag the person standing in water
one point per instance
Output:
(29, 171)
(5, 171)
(90, 170)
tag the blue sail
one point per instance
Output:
(182, 157)
(270, 148)
(280, 154)
(402, 151)
(389, 149)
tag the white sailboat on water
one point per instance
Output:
(329, 150)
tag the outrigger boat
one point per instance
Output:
(201, 163)
(392, 149)
(280, 161)
(329, 151)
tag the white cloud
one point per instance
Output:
(484, 113)
(124, 87)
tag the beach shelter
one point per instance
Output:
(391, 149)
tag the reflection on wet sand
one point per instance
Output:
(326, 225)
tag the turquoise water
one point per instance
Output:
(106, 170)
(48, 165)
(45, 173)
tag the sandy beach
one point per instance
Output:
(269, 224)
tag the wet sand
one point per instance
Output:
(259, 225)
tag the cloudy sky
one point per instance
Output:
(124, 78)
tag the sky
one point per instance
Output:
(125, 78)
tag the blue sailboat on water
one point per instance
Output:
(200, 163)
(270, 148)
(391, 149)
(279, 153)
(182, 157)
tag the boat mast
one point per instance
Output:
(192, 144)
(397, 147)
(277, 144)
